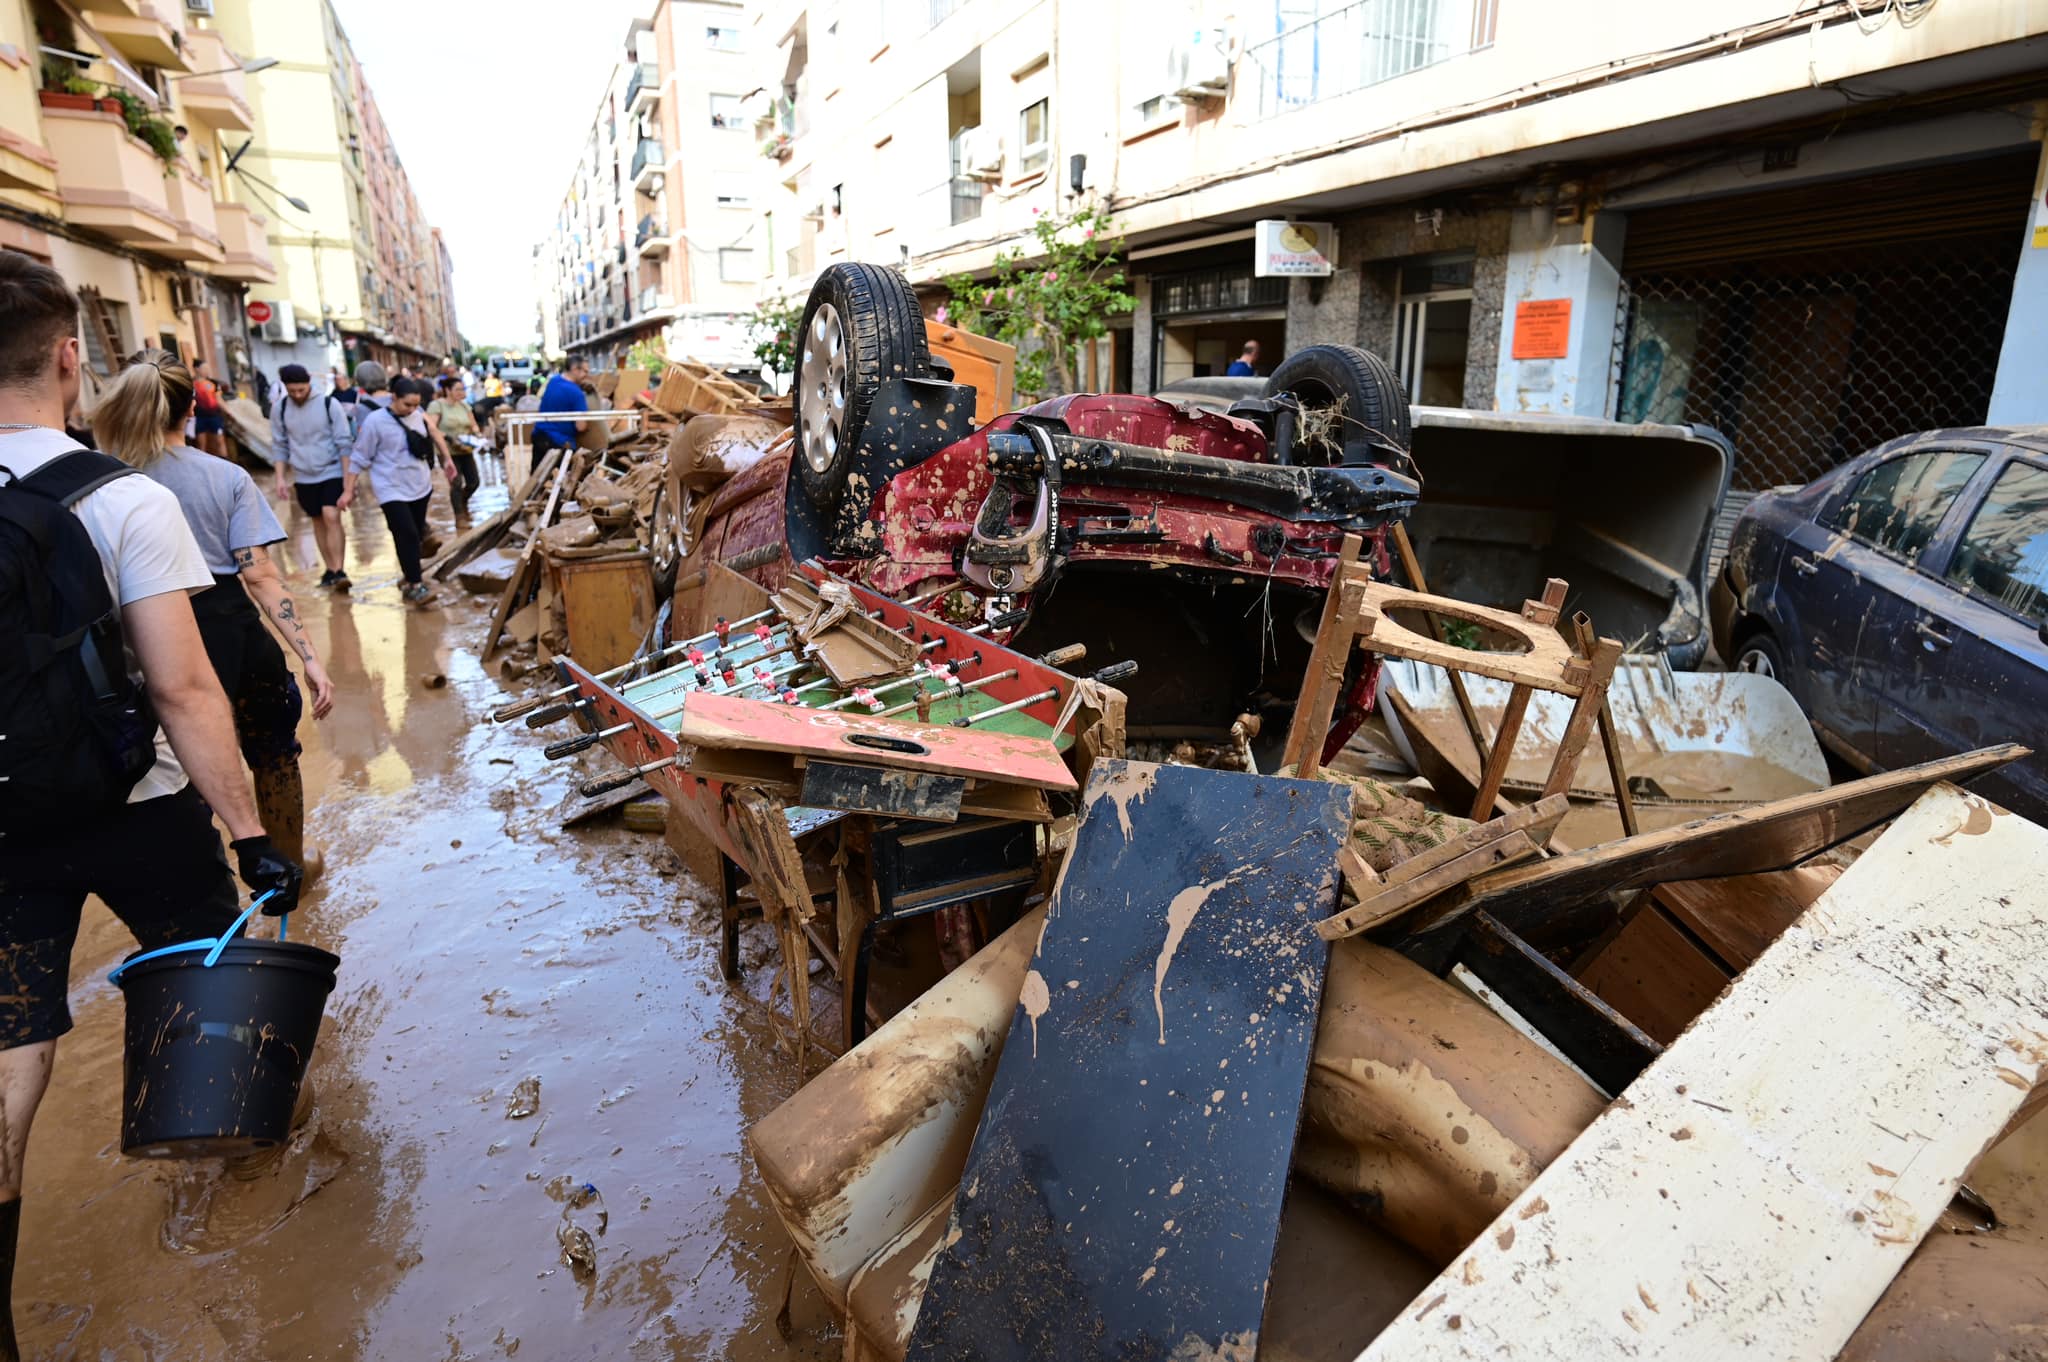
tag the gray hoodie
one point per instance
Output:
(311, 438)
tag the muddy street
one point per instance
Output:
(482, 947)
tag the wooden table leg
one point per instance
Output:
(1503, 751)
(1336, 636)
(1579, 729)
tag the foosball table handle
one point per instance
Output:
(553, 714)
(569, 747)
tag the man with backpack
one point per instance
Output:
(98, 647)
(310, 437)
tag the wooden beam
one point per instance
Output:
(1578, 729)
(1496, 771)
(1335, 639)
(1395, 900)
(1772, 1171)
(1606, 1046)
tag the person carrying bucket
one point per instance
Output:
(140, 420)
(120, 740)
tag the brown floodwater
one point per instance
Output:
(482, 947)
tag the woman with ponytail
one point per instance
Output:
(140, 419)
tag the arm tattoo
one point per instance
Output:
(288, 619)
(244, 559)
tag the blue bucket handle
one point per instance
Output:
(212, 945)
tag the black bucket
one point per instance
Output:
(216, 1053)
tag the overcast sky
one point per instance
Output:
(488, 104)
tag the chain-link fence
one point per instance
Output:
(1805, 363)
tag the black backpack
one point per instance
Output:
(75, 731)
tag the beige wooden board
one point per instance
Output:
(1761, 1183)
(1546, 661)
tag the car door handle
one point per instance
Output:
(1935, 638)
(1805, 566)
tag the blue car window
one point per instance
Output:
(1899, 504)
(2004, 555)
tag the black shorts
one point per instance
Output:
(315, 497)
(261, 688)
(157, 864)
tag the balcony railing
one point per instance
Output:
(1362, 45)
(645, 80)
(646, 158)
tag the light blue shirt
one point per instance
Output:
(384, 454)
(221, 504)
(310, 438)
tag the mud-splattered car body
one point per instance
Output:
(1144, 529)
(1900, 597)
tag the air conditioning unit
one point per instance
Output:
(979, 153)
(199, 7)
(187, 294)
(1200, 67)
(282, 328)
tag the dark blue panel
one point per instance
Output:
(1123, 1194)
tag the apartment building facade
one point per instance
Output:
(132, 204)
(1810, 225)
(655, 236)
(360, 276)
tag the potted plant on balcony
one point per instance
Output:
(64, 88)
(158, 133)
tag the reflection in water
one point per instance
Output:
(480, 944)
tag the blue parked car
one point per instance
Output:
(1903, 599)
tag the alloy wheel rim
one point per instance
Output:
(1756, 663)
(821, 380)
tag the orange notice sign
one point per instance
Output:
(1543, 328)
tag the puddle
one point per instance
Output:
(410, 1219)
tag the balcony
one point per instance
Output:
(221, 101)
(149, 32)
(647, 164)
(190, 201)
(26, 164)
(643, 88)
(648, 238)
(245, 247)
(109, 181)
(1360, 45)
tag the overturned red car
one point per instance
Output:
(1196, 543)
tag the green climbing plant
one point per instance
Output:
(651, 355)
(1051, 301)
(161, 136)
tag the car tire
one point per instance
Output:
(1361, 391)
(1759, 654)
(861, 328)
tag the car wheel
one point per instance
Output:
(1353, 408)
(1759, 654)
(861, 328)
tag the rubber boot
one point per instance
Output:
(10, 1236)
(281, 804)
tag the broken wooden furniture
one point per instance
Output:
(1142, 1118)
(607, 603)
(1772, 1171)
(1694, 743)
(1359, 613)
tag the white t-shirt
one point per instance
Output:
(145, 547)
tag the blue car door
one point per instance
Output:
(1842, 573)
(1971, 667)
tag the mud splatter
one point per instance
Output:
(1036, 998)
(1180, 915)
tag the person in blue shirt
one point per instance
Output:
(1246, 365)
(564, 393)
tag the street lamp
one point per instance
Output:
(247, 68)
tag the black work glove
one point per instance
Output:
(263, 868)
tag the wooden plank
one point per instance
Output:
(1324, 676)
(1539, 820)
(1774, 1169)
(608, 604)
(1653, 974)
(1578, 730)
(521, 575)
(1123, 1194)
(729, 722)
(1737, 916)
(1608, 1047)
(1511, 715)
(1545, 661)
(1363, 880)
(1770, 836)
(1396, 899)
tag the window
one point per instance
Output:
(726, 111)
(736, 264)
(1899, 504)
(1034, 136)
(2004, 556)
(722, 39)
(733, 191)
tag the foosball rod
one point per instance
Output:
(591, 789)
(512, 711)
(556, 713)
(919, 678)
(569, 747)
(956, 690)
(1115, 671)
